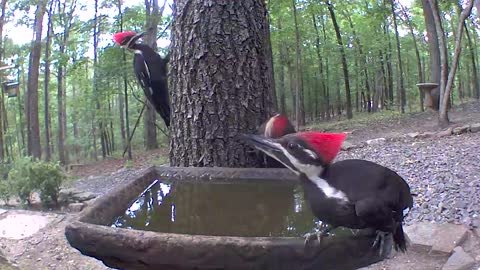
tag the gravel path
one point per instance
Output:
(444, 173)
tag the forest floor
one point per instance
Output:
(443, 172)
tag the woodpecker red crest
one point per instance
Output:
(327, 145)
(120, 36)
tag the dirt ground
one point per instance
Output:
(48, 249)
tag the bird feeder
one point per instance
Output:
(11, 88)
(427, 89)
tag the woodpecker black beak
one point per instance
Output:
(134, 39)
(269, 147)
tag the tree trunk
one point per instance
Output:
(300, 112)
(388, 59)
(432, 99)
(96, 31)
(150, 38)
(291, 83)
(471, 48)
(66, 21)
(344, 60)
(446, 86)
(281, 72)
(403, 98)
(326, 85)
(417, 54)
(33, 128)
(221, 82)
(125, 90)
(320, 65)
(3, 6)
(48, 154)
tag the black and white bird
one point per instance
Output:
(355, 194)
(151, 71)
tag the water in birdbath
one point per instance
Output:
(222, 209)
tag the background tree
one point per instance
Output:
(33, 132)
(220, 83)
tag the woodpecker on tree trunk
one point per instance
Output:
(355, 194)
(275, 127)
(150, 70)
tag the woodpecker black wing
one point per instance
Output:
(151, 72)
(379, 194)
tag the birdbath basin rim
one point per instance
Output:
(90, 232)
(427, 86)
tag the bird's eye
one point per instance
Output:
(291, 145)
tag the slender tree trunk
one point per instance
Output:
(326, 84)
(3, 5)
(96, 31)
(150, 38)
(291, 82)
(125, 90)
(300, 112)
(344, 60)
(224, 88)
(471, 48)
(403, 98)
(432, 99)
(320, 65)
(66, 20)
(388, 59)
(33, 127)
(281, 69)
(417, 54)
(446, 86)
(46, 81)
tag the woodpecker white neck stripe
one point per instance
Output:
(328, 190)
(313, 174)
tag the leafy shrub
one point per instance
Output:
(27, 176)
(5, 191)
(49, 177)
(20, 179)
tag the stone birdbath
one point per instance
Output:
(427, 88)
(92, 234)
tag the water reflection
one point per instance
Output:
(247, 209)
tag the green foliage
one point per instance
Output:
(20, 180)
(5, 189)
(27, 176)
(48, 177)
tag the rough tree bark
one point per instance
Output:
(446, 85)
(33, 128)
(221, 81)
(344, 61)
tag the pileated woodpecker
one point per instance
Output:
(150, 70)
(356, 194)
(275, 127)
